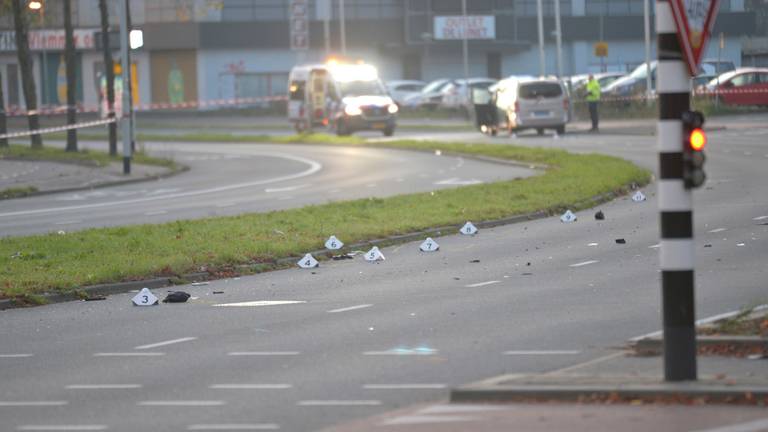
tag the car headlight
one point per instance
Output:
(353, 110)
(393, 109)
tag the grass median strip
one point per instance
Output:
(33, 265)
(84, 157)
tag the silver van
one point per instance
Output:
(532, 103)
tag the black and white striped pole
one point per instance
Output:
(675, 202)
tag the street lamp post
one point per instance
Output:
(559, 39)
(122, 11)
(343, 28)
(465, 50)
(540, 13)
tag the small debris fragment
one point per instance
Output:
(756, 357)
(95, 298)
(600, 215)
(621, 241)
(475, 261)
(218, 292)
(200, 283)
(438, 152)
(707, 245)
(61, 232)
(739, 244)
(527, 274)
(343, 257)
(177, 297)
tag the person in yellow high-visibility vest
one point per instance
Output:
(593, 97)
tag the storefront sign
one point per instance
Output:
(473, 26)
(49, 40)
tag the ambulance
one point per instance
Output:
(340, 97)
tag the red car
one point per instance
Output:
(743, 86)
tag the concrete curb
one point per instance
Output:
(580, 393)
(655, 346)
(170, 173)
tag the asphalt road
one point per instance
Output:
(355, 339)
(228, 179)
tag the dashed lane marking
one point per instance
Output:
(759, 218)
(260, 303)
(250, 386)
(156, 213)
(32, 403)
(182, 403)
(340, 403)
(102, 386)
(351, 308)
(15, 355)
(716, 230)
(402, 352)
(542, 352)
(233, 427)
(69, 222)
(475, 285)
(284, 189)
(164, 343)
(585, 263)
(264, 353)
(62, 428)
(404, 386)
(129, 354)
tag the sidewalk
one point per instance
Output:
(492, 407)
(48, 177)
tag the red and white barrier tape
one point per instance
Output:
(58, 128)
(61, 109)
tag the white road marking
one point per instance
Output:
(250, 386)
(102, 386)
(182, 403)
(753, 426)
(313, 168)
(716, 230)
(223, 205)
(404, 386)
(164, 343)
(533, 352)
(62, 428)
(69, 222)
(461, 408)
(339, 403)
(401, 352)
(587, 363)
(475, 285)
(259, 303)
(285, 189)
(704, 321)
(759, 218)
(129, 354)
(351, 308)
(155, 213)
(15, 355)
(458, 182)
(656, 246)
(426, 419)
(32, 403)
(264, 353)
(581, 264)
(233, 427)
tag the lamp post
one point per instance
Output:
(39, 8)
(540, 14)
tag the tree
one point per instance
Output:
(109, 70)
(25, 65)
(70, 60)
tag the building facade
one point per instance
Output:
(213, 51)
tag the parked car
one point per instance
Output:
(716, 67)
(743, 86)
(456, 95)
(578, 83)
(399, 90)
(632, 84)
(430, 96)
(531, 103)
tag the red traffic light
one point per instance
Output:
(698, 139)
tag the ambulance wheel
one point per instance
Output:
(560, 130)
(540, 131)
(389, 131)
(341, 128)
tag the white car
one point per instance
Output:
(455, 94)
(430, 96)
(400, 90)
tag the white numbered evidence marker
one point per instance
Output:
(145, 298)
(308, 262)
(333, 243)
(374, 255)
(429, 245)
(638, 196)
(568, 217)
(468, 229)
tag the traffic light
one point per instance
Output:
(694, 141)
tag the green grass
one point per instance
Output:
(84, 157)
(37, 264)
(17, 192)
